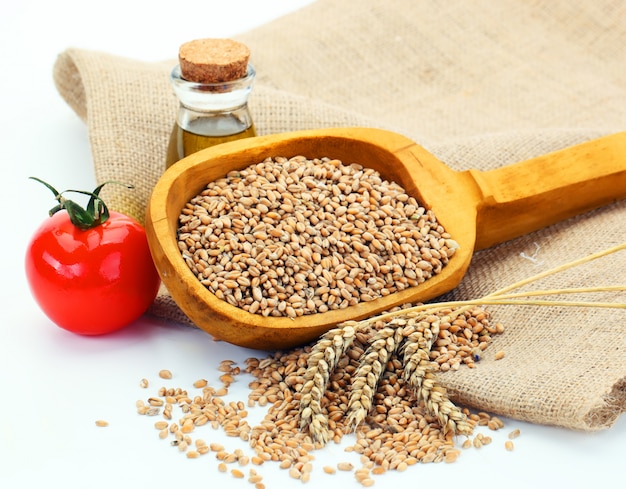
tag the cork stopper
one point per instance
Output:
(213, 60)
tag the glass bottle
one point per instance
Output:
(209, 113)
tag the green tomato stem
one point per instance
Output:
(95, 214)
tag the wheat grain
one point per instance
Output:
(514, 434)
(399, 422)
(165, 374)
(280, 223)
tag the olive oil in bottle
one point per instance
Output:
(213, 82)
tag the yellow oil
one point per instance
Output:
(184, 142)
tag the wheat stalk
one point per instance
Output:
(501, 296)
(561, 268)
(415, 345)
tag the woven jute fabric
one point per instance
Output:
(480, 85)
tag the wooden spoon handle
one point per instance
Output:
(529, 195)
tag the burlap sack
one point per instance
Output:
(479, 84)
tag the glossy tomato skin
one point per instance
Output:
(95, 281)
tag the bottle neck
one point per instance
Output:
(212, 97)
(213, 108)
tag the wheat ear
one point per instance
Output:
(369, 372)
(435, 397)
(323, 359)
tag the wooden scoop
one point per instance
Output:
(479, 210)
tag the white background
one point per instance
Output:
(54, 385)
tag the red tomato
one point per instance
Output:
(92, 281)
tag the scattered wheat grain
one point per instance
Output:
(165, 374)
(514, 434)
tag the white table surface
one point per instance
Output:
(54, 384)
